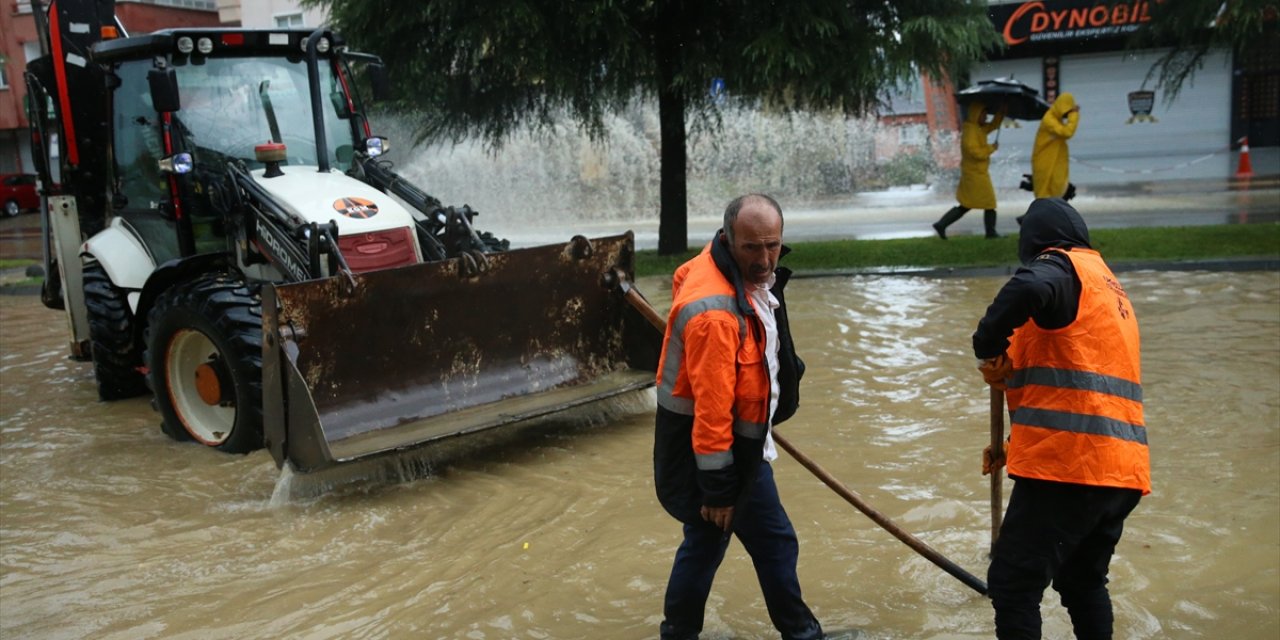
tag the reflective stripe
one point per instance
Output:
(1080, 380)
(713, 461)
(674, 404)
(675, 348)
(747, 429)
(1080, 423)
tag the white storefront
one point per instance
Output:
(1187, 138)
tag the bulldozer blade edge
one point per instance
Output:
(417, 354)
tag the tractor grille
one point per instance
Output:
(378, 250)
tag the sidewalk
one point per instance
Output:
(909, 212)
(897, 213)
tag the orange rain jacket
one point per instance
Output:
(1075, 398)
(714, 388)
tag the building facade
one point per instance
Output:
(19, 44)
(270, 14)
(1129, 130)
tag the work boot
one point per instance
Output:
(947, 218)
(989, 221)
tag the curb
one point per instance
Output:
(1253, 263)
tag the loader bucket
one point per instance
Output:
(401, 358)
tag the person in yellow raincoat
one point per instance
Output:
(975, 190)
(1049, 156)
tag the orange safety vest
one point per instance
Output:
(1075, 399)
(715, 353)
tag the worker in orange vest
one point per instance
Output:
(1061, 338)
(729, 373)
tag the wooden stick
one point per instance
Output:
(642, 305)
(997, 471)
(885, 523)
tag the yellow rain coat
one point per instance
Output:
(974, 190)
(1049, 157)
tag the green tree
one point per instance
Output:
(1193, 28)
(485, 68)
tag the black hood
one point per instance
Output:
(1050, 222)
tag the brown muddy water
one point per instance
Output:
(110, 530)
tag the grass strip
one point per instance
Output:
(1132, 244)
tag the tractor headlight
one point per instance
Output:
(322, 45)
(204, 45)
(185, 45)
(376, 146)
(178, 163)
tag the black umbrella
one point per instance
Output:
(1020, 101)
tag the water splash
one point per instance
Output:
(560, 176)
(369, 474)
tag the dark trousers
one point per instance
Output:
(770, 540)
(1060, 534)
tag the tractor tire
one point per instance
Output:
(204, 351)
(115, 357)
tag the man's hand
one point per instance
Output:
(996, 371)
(992, 463)
(721, 517)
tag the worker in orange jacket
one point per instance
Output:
(1062, 338)
(727, 373)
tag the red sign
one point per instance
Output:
(1041, 21)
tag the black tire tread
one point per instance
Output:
(115, 356)
(235, 308)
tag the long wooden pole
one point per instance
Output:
(885, 523)
(642, 305)
(997, 471)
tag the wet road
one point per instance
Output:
(110, 530)
(907, 213)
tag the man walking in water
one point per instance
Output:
(728, 372)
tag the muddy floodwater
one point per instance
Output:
(109, 530)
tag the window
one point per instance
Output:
(31, 50)
(908, 97)
(4, 75)
(289, 20)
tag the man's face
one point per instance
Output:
(757, 241)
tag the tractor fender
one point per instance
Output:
(169, 273)
(122, 255)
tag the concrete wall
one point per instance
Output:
(263, 14)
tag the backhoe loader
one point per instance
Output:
(222, 231)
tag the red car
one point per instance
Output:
(18, 193)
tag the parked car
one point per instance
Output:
(18, 193)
